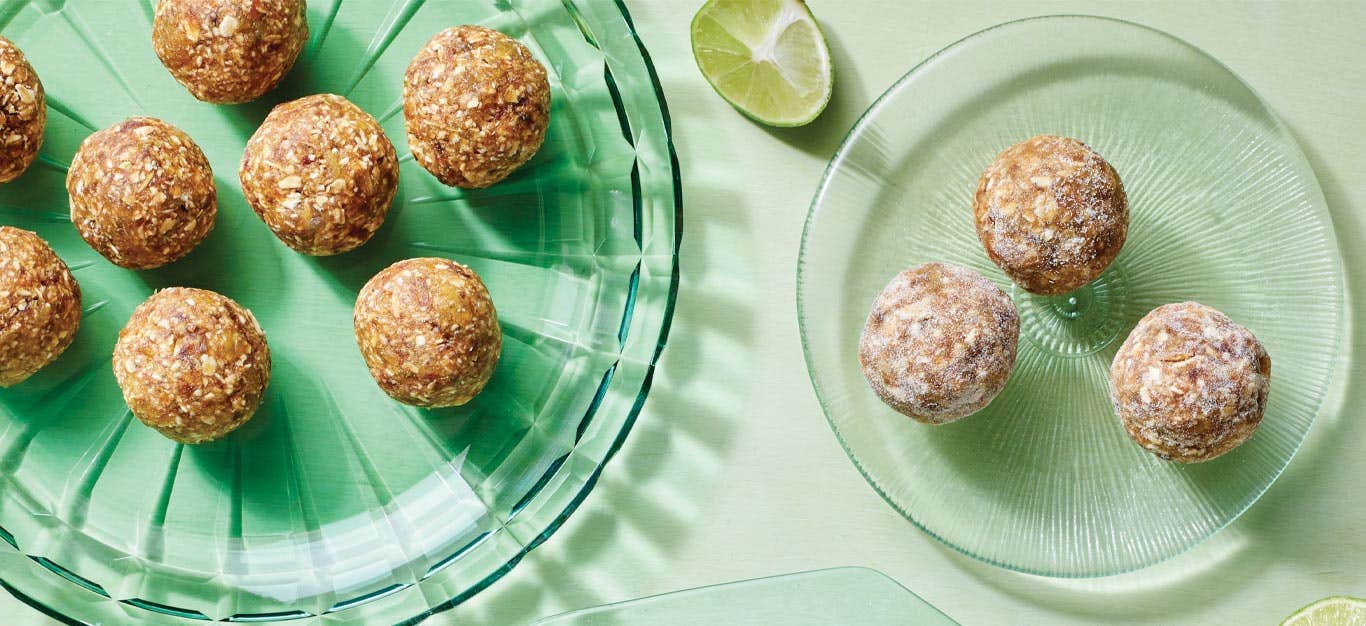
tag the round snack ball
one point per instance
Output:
(142, 193)
(23, 112)
(428, 331)
(40, 305)
(229, 51)
(192, 364)
(1051, 213)
(1189, 383)
(477, 105)
(321, 174)
(940, 342)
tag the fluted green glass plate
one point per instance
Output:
(842, 595)
(335, 504)
(1224, 210)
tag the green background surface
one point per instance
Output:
(732, 472)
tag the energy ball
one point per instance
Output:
(1190, 384)
(23, 112)
(477, 105)
(428, 331)
(940, 343)
(1051, 213)
(40, 305)
(229, 51)
(192, 364)
(142, 193)
(321, 174)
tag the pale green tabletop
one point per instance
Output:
(732, 472)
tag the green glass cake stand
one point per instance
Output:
(335, 504)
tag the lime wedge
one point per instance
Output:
(1334, 611)
(767, 58)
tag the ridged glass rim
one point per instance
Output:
(579, 488)
(856, 132)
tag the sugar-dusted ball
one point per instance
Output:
(192, 364)
(428, 331)
(1190, 384)
(229, 51)
(321, 174)
(40, 305)
(142, 193)
(1051, 213)
(23, 112)
(940, 342)
(477, 106)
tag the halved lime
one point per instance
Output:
(768, 58)
(1334, 611)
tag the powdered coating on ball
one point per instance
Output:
(229, 51)
(321, 174)
(23, 112)
(940, 342)
(1051, 213)
(477, 104)
(192, 364)
(40, 305)
(1190, 384)
(142, 193)
(428, 332)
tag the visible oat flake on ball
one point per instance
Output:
(321, 174)
(40, 305)
(1190, 384)
(477, 105)
(428, 331)
(940, 342)
(229, 51)
(23, 112)
(192, 364)
(142, 193)
(1051, 213)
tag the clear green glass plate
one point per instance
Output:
(1224, 210)
(335, 501)
(842, 595)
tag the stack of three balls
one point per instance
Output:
(1188, 384)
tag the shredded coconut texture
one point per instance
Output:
(1190, 384)
(192, 364)
(428, 331)
(40, 305)
(477, 105)
(23, 112)
(321, 174)
(142, 193)
(940, 342)
(229, 51)
(1051, 213)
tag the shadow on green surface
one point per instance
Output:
(847, 101)
(638, 515)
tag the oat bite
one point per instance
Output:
(477, 105)
(428, 332)
(229, 51)
(940, 342)
(321, 174)
(192, 364)
(40, 305)
(23, 112)
(142, 193)
(1051, 213)
(1190, 384)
